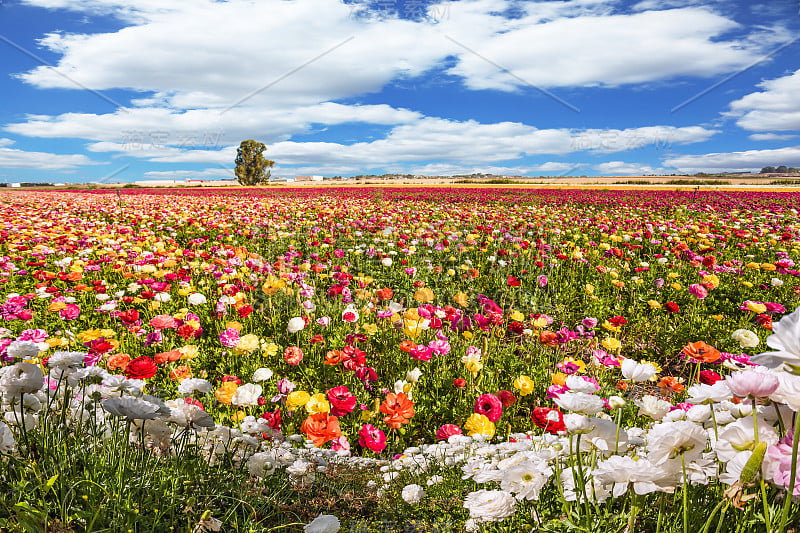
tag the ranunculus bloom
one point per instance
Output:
(507, 398)
(490, 406)
(752, 384)
(672, 307)
(141, 368)
(700, 352)
(342, 401)
(478, 424)
(163, 322)
(320, 428)
(296, 324)
(293, 355)
(447, 431)
(371, 437)
(398, 410)
(550, 420)
(709, 377)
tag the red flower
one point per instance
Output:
(448, 430)
(672, 307)
(141, 368)
(617, 321)
(507, 398)
(550, 420)
(513, 282)
(459, 383)
(244, 310)
(342, 401)
(236, 380)
(709, 377)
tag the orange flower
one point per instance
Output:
(74, 276)
(548, 338)
(670, 383)
(164, 357)
(461, 299)
(385, 294)
(333, 357)
(118, 360)
(321, 427)
(398, 410)
(424, 295)
(180, 373)
(407, 346)
(700, 352)
(225, 393)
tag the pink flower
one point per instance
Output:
(489, 405)
(752, 384)
(340, 444)
(164, 322)
(698, 290)
(371, 437)
(447, 431)
(293, 355)
(541, 280)
(589, 322)
(70, 312)
(324, 321)
(228, 338)
(779, 462)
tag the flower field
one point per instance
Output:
(392, 359)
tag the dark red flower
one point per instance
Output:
(141, 368)
(672, 307)
(550, 420)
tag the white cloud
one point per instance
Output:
(775, 108)
(15, 158)
(621, 168)
(750, 160)
(770, 137)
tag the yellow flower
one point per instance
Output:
(318, 404)
(297, 399)
(756, 307)
(673, 275)
(676, 286)
(654, 304)
(234, 325)
(524, 385)
(467, 335)
(589, 288)
(238, 416)
(611, 327)
(517, 315)
(611, 344)
(247, 344)
(56, 306)
(769, 267)
(370, 329)
(273, 285)
(559, 378)
(478, 424)
(747, 284)
(225, 393)
(712, 280)
(424, 295)
(190, 351)
(472, 362)
(754, 266)
(540, 322)
(717, 317)
(461, 299)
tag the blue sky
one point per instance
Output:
(123, 90)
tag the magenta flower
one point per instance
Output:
(490, 406)
(229, 338)
(371, 437)
(447, 431)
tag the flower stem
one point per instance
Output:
(792, 478)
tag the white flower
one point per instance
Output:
(579, 402)
(490, 505)
(788, 391)
(412, 376)
(296, 324)
(733, 470)
(745, 338)
(386, 261)
(669, 440)
(262, 374)
(247, 395)
(637, 371)
(7, 442)
(578, 384)
(653, 407)
(261, 464)
(526, 479)
(23, 349)
(740, 435)
(576, 423)
(162, 297)
(785, 340)
(132, 408)
(197, 299)
(716, 393)
(433, 480)
(412, 494)
(775, 282)
(21, 378)
(623, 470)
(191, 385)
(189, 415)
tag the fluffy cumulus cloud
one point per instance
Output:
(204, 74)
(621, 168)
(774, 108)
(746, 161)
(16, 158)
